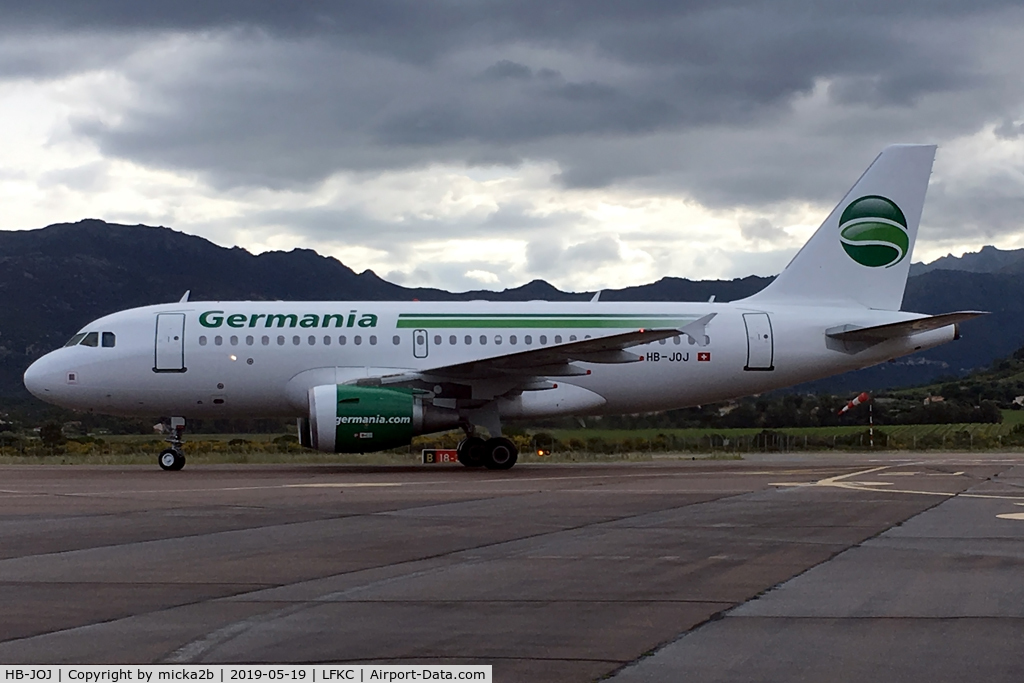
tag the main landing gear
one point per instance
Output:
(172, 458)
(497, 453)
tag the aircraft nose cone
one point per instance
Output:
(39, 379)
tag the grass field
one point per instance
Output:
(974, 436)
(900, 431)
(564, 445)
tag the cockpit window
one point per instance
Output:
(109, 339)
(76, 339)
(91, 339)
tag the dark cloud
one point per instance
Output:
(762, 230)
(397, 234)
(1009, 130)
(548, 258)
(91, 177)
(701, 97)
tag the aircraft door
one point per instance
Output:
(420, 343)
(760, 344)
(170, 343)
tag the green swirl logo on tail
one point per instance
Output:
(873, 231)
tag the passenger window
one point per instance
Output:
(202, 340)
(512, 339)
(357, 340)
(543, 339)
(373, 340)
(342, 340)
(234, 340)
(469, 340)
(453, 340)
(76, 339)
(250, 340)
(91, 339)
(497, 339)
(311, 340)
(437, 340)
(109, 340)
(396, 340)
(558, 339)
(676, 340)
(296, 340)
(327, 340)
(663, 341)
(528, 340)
(218, 340)
(265, 340)
(483, 340)
(280, 340)
(572, 337)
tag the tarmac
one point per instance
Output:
(774, 568)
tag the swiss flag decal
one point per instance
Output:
(703, 355)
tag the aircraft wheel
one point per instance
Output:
(471, 450)
(502, 454)
(171, 459)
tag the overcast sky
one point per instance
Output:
(465, 144)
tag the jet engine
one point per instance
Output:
(352, 419)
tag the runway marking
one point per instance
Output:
(650, 473)
(225, 488)
(1012, 515)
(989, 495)
(338, 486)
(838, 482)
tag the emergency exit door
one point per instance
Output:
(420, 343)
(760, 344)
(170, 343)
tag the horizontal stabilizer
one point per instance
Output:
(907, 328)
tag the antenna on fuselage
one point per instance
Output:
(184, 297)
(596, 297)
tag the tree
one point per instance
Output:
(51, 434)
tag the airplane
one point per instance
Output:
(366, 376)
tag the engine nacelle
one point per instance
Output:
(351, 419)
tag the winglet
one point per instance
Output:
(696, 330)
(184, 297)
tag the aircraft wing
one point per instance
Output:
(879, 333)
(554, 360)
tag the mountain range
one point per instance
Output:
(988, 260)
(56, 279)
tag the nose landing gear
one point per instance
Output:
(172, 458)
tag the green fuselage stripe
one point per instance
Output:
(588, 316)
(538, 322)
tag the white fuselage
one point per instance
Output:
(260, 359)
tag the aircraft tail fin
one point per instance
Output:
(861, 253)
